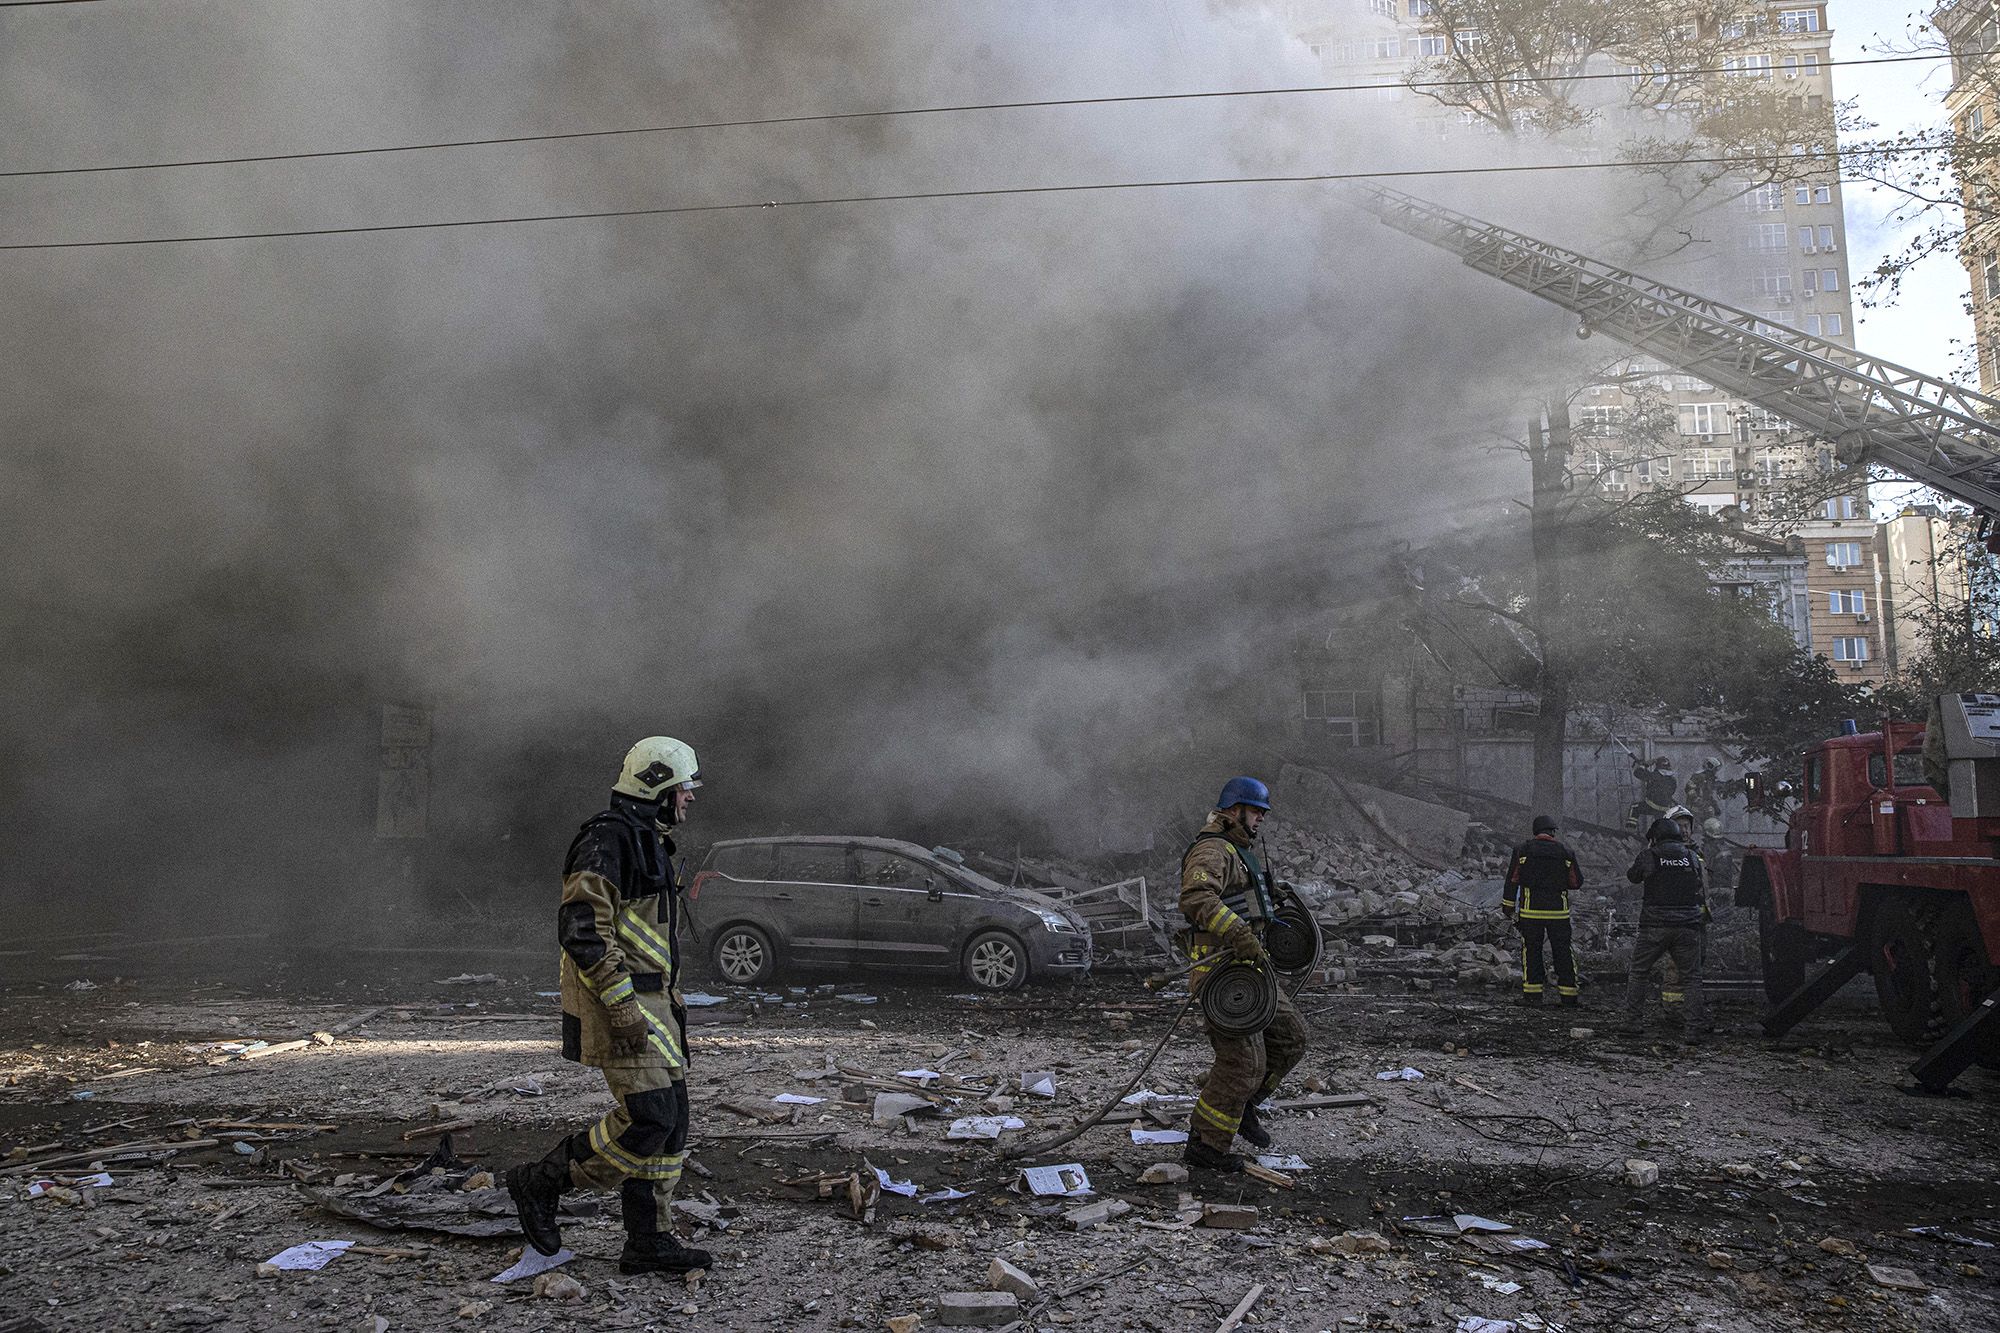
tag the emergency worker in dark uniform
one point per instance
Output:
(623, 1014)
(1657, 786)
(1227, 897)
(1541, 875)
(1672, 917)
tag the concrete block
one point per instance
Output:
(1003, 1276)
(1076, 1219)
(978, 1309)
(1164, 1173)
(1640, 1174)
(1228, 1216)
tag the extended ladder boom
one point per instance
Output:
(1925, 428)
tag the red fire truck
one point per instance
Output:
(1882, 873)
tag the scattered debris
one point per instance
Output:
(1361, 1242)
(1042, 1083)
(1640, 1174)
(1897, 1279)
(1164, 1173)
(1003, 1276)
(1076, 1219)
(1404, 1075)
(472, 979)
(1067, 1181)
(1228, 1216)
(977, 1309)
(306, 1257)
(533, 1262)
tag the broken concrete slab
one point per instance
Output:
(1640, 1174)
(1228, 1216)
(977, 1309)
(1164, 1173)
(1076, 1219)
(1429, 832)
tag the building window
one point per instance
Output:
(1850, 649)
(1708, 465)
(1843, 555)
(1774, 285)
(1812, 278)
(1386, 8)
(1703, 418)
(1798, 20)
(1422, 9)
(1829, 279)
(1598, 421)
(1840, 506)
(1659, 468)
(1806, 240)
(1767, 236)
(1822, 194)
(1830, 326)
(1777, 464)
(1748, 67)
(1990, 273)
(1386, 48)
(1765, 199)
(1812, 325)
(1467, 40)
(1975, 119)
(1847, 602)
(1428, 46)
(1351, 717)
(1826, 239)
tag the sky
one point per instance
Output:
(1920, 330)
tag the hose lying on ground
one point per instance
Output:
(1036, 1149)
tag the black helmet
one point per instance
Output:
(1662, 830)
(1545, 824)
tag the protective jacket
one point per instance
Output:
(1658, 787)
(1540, 877)
(618, 925)
(1223, 886)
(1672, 874)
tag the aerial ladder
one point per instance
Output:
(1870, 410)
(1935, 871)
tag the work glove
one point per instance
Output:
(1243, 942)
(628, 1027)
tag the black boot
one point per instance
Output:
(661, 1252)
(537, 1189)
(1200, 1154)
(1532, 999)
(1252, 1128)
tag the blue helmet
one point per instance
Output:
(1244, 791)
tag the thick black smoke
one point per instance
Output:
(901, 512)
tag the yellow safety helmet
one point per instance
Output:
(656, 764)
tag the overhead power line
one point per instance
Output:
(837, 116)
(920, 196)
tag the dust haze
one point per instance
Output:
(913, 515)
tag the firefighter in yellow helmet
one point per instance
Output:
(623, 1014)
(1227, 897)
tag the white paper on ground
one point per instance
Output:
(945, 1195)
(1403, 1075)
(533, 1261)
(902, 1187)
(1282, 1161)
(796, 1099)
(309, 1257)
(858, 999)
(1141, 1097)
(1473, 1323)
(1496, 1286)
(1474, 1222)
(1040, 1083)
(702, 999)
(923, 1076)
(1527, 1243)
(984, 1126)
(1066, 1181)
(1158, 1135)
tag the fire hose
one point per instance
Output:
(1239, 998)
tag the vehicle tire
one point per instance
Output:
(1903, 957)
(743, 955)
(1965, 974)
(1787, 954)
(995, 961)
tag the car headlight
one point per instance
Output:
(1057, 922)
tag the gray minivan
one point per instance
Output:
(756, 904)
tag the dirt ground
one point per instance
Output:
(1785, 1170)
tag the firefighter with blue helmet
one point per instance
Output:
(1227, 896)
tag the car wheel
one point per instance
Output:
(996, 961)
(1966, 976)
(1786, 952)
(744, 956)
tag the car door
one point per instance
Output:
(900, 924)
(813, 902)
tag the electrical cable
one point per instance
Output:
(1049, 1145)
(920, 196)
(836, 116)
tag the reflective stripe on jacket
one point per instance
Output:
(1541, 874)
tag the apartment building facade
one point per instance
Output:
(1973, 104)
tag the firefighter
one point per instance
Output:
(1704, 790)
(1672, 917)
(1657, 785)
(1541, 875)
(1227, 896)
(623, 1014)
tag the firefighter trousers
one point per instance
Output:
(1246, 1069)
(638, 1148)
(1534, 972)
(1682, 944)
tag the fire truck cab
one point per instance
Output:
(1884, 873)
